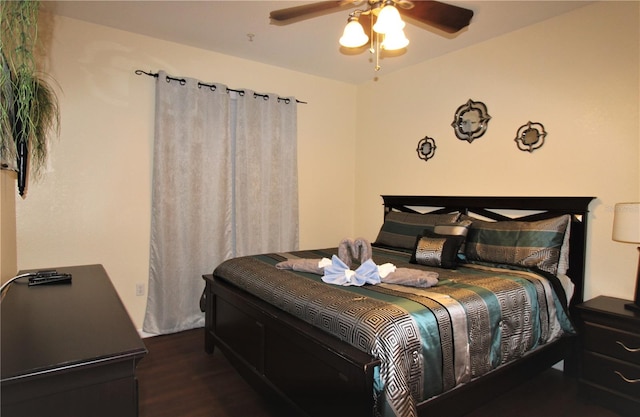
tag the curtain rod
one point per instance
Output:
(182, 81)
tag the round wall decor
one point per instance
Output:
(530, 136)
(470, 121)
(426, 148)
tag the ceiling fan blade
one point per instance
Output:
(443, 16)
(297, 13)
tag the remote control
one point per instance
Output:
(49, 278)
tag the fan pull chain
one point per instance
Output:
(375, 45)
(377, 52)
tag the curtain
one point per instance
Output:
(265, 172)
(224, 172)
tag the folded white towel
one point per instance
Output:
(386, 269)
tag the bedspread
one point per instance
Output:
(428, 340)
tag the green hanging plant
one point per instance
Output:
(28, 105)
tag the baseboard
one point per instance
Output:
(144, 334)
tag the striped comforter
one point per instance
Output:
(428, 340)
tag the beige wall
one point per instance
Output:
(576, 74)
(94, 205)
(8, 249)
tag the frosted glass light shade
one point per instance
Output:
(626, 222)
(395, 40)
(353, 35)
(389, 20)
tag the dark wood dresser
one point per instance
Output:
(610, 342)
(68, 349)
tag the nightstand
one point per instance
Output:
(610, 354)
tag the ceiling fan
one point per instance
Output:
(443, 16)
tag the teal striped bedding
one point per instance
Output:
(429, 340)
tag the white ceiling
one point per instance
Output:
(309, 46)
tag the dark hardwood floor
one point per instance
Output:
(178, 379)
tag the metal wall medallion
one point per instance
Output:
(530, 136)
(470, 121)
(426, 148)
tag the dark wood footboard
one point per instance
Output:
(316, 373)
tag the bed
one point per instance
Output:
(497, 314)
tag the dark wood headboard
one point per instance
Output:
(532, 208)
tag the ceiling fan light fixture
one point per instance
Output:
(353, 35)
(395, 40)
(389, 19)
(382, 20)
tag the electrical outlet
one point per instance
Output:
(139, 289)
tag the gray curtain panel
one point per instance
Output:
(266, 175)
(224, 184)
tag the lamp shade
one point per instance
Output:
(389, 20)
(395, 40)
(626, 222)
(353, 35)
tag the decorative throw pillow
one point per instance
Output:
(522, 243)
(400, 229)
(433, 249)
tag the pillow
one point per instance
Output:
(433, 249)
(400, 229)
(460, 228)
(563, 263)
(528, 244)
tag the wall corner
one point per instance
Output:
(8, 236)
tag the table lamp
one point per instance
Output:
(626, 228)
